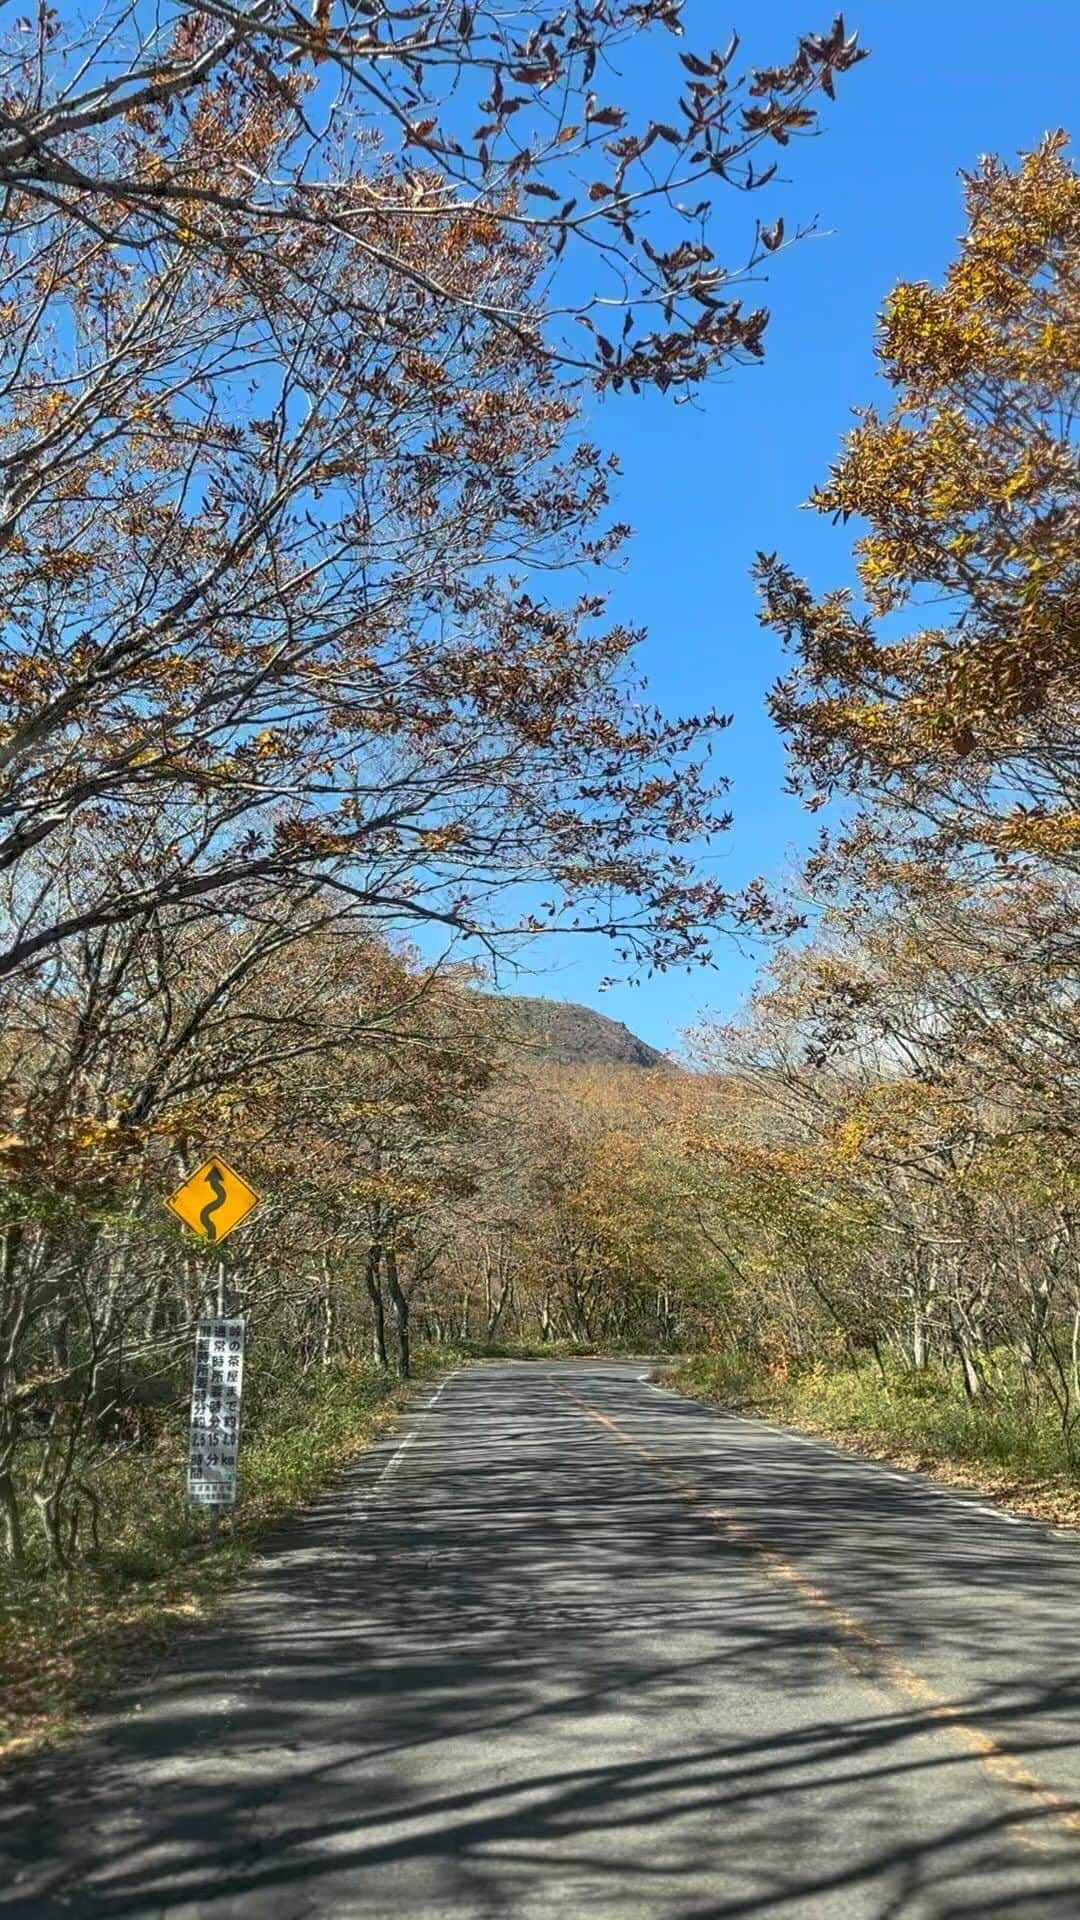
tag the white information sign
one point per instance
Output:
(215, 1412)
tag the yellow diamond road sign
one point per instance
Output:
(213, 1200)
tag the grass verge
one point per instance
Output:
(65, 1640)
(1002, 1447)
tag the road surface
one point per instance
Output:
(570, 1647)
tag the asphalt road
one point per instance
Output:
(573, 1648)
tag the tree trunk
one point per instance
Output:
(918, 1337)
(401, 1312)
(9, 1510)
(49, 1507)
(974, 1385)
(495, 1299)
(378, 1317)
(327, 1313)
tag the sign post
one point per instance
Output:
(212, 1201)
(214, 1438)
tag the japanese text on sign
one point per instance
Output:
(215, 1412)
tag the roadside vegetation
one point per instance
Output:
(901, 1231)
(154, 1570)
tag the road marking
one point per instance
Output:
(1000, 1764)
(395, 1460)
(912, 1478)
(403, 1446)
(785, 1433)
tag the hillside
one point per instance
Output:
(574, 1036)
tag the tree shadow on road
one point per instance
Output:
(528, 1675)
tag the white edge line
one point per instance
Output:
(911, 1476)
(653, 1385)
(403, 1446)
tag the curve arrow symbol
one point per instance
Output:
(216, 1183)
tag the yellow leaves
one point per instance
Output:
(78, 1153)
(1003, 242)
(1046, 834)
(967, 487)
(869, 718)
(1019, 480)
(87, 1134)
(997, 311)
(1029, 212)
(896, 476)
(440, 839)
(876, 563)
(41, 414)
(24, 679)
(851, 1136)
(896, 1118)
(770, 1162)
(923, 338)
(69, 565)
(150, 164)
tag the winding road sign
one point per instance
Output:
(213, 1200)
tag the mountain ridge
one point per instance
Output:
(571, 1035)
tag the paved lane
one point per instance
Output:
(572, 1648)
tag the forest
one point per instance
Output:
(309, 728)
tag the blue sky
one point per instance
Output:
(706, 486)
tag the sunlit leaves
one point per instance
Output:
(971, 488)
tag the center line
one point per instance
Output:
(999, 1764)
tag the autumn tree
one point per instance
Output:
(953, 696)
(885, 1186)
(230, 129)
(386, 1139)
(286, 436)
(264, 606)
(340, 1075)
(940, 712)
(575, 1225)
